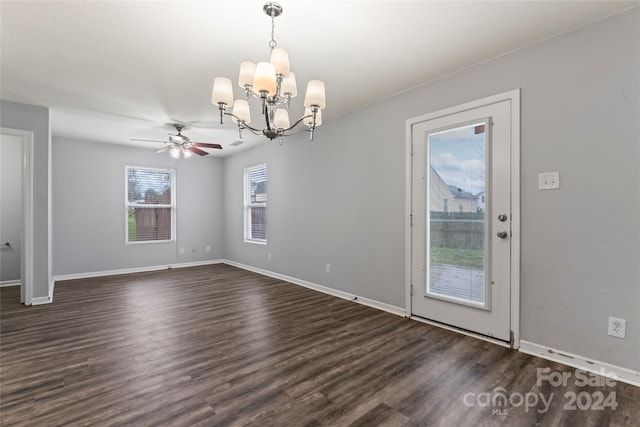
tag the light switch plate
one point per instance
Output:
(548, 180)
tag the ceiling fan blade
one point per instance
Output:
(146, 140)
(197, 151)
(206, 145)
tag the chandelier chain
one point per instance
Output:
(273, 43)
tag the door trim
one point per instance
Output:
(26, 257)
(514, 97)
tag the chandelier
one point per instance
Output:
(274, 85)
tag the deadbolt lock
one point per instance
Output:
(502, 217)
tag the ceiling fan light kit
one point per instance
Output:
(274, 85)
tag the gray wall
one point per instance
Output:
(90, 177)
(36, 119)
(340, 199)
(11, 209)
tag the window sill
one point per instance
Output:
(143, 242)
(257, 242)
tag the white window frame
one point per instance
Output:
(128, 205)
(248, 205)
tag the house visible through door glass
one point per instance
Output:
(456, 214)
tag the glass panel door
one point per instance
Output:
(461, 260)
(456, 174)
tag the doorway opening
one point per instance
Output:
(16, 148)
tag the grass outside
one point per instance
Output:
(132, 228)
(460, 257)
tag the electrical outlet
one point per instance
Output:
(269, 256)
(208, 248)
(193, 249)
(617, 327)
(327, 268)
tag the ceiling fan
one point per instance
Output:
(180, 144)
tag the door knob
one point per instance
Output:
(503, 234)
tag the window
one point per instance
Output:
(150, 204)
(255, 203)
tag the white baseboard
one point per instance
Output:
(10, 283)
(52, 285)
(47, 299)
(34, 301)
(41, 300)
(399, 311)
(625, 375)
(133, 270)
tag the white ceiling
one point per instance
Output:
(111, 71)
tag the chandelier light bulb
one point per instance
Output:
(241, 111)
(222, 92)
(281, 119)
(280, 61)
(289, 85)
(247, 74)
(265, 80)
(315, 94)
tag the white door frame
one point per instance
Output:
(514, 97)
(26, 255)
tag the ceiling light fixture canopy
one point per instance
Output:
(275, 85)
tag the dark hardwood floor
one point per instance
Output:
(218, 346)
